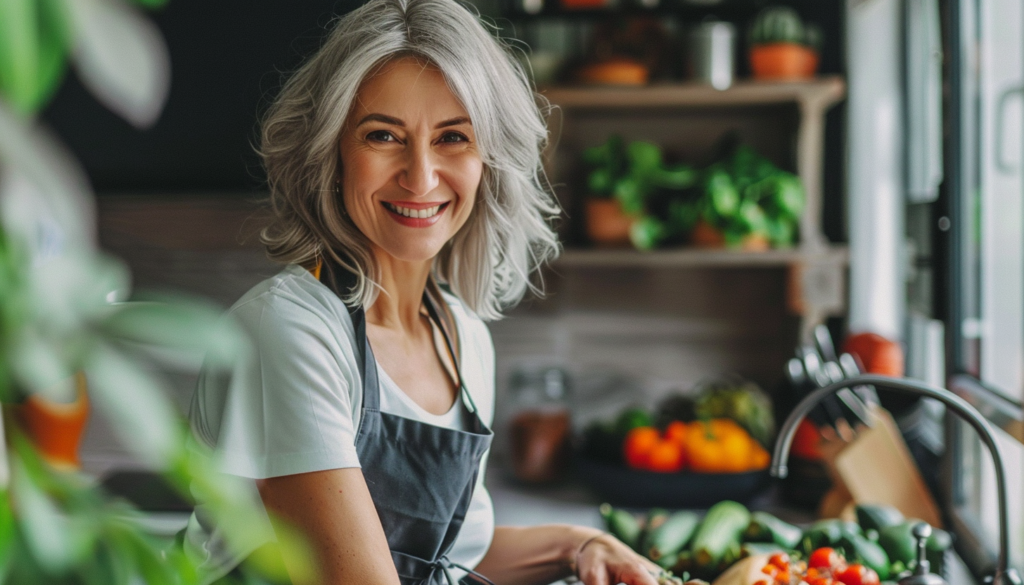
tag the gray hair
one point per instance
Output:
(488, 263)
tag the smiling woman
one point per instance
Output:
(409, 203)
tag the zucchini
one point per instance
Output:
(764, 527)
(621, 524)
(671, 535)
(899, 542)
(859, 549)
(877, 517)
(719, 533)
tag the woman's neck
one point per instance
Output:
(399, 302)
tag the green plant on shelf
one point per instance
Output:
(740, 198)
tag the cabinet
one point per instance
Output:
(783, 121)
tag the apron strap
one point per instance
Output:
(447, 564)
(435, 315)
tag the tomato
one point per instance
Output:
(666, 456)
(780, 560)
(761, 582)
(638, 445)
(676, 431)
(857, 575)
(770, 570)
(825, 558)
(823, 580)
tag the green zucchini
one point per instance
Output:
(621, 524)
(764, 527)
(877, 517)
(671, 535)
(899, 542)
(870, 554)
(719, 533)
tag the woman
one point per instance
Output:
(404, 154)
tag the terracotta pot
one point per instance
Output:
(607, 224)
(56, 428)
(705, 235)
(782, 61)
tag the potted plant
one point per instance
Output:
(782, 46)
(64, 315)
(748, 203)
(620, 182)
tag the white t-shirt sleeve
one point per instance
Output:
(289, 409)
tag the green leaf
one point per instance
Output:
(678, 177)
(646, 233)
(600, 182)
(41, 368)
(8, 533)
(46, 532)
(54, 45)
(725, 199)
(182, 324)
(752, 218)
(789, 196)
(19, 52)
(152, 3)
(121, 58)
(644, 158)
(630, 195)
(143, 416)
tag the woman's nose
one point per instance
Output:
(419, 176)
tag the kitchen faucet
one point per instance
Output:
(1004, 575)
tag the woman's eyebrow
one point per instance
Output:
(381, 118)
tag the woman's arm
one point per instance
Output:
(334, 511)
(542, 554)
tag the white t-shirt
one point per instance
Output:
(294, 407)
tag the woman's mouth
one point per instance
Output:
(418, 216)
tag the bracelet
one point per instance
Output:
(575, 566)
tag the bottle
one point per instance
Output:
(540, 426)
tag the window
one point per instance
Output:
(984, 222)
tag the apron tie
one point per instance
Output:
(447, 564)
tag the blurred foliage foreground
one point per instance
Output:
(65, 308)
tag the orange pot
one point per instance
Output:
(56, 428)
(607, 224)
(705, 235)
(781, 61)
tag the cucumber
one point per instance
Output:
(671, 536)
(719, 533)
(877, 517)
(621, 524)
(764, 527)
(868, 553)
(823, 533)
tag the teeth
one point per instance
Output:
(414, 213)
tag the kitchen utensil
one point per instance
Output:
(922, 570)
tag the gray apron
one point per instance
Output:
(420, 476)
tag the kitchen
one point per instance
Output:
(904, 139)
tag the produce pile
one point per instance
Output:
(739, 200)
(724, 428)
(879, 547)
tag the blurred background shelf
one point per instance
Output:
(818, 93)
(700, 258)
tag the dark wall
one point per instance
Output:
(228, 58)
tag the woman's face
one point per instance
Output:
(410, 165)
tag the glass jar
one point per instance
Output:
(540, 425)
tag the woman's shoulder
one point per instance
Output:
(291, 298)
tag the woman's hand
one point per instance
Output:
(604, 560)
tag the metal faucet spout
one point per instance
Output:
(1003, 575)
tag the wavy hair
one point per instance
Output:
(509, 234)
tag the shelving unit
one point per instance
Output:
(786, 117)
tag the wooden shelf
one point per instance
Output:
(698, 258)
(821, 92)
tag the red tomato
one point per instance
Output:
(857, 575)
(780, 560)
(770, 570)
(825, 558)
(638, 445)
(823, 580)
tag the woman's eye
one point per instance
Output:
(380, 136)
(454, 137)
